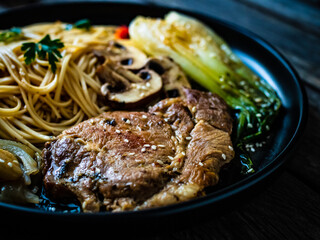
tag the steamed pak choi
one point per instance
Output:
(208, 60)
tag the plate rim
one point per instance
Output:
(221, 194)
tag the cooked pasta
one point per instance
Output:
(36, 103)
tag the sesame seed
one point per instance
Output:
(200, 163)
(258, 115)
(175, 169)
(166, 119)
(130, 154)
(138, 160)
(141, 94)
(13, 66)
(160, 162)
(144, 117)
(224, 156)
(126, 140)
(117, 131)
(161, 146)
(183, 153)
(252, 149)
(143, 149)
(171, 158)
(154, 147)
(174, 127)
(146, 145)
(267, 127)
(35, 189)
(2, 161)
(128, 121)
(194, 109)
(230, 147)
(10, 164)
(188, 138)
(148, 84)
(143, 87)
(250, 125)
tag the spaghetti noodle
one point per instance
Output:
(37, 104)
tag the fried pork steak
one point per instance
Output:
(134, 160)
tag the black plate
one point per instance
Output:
(255, 52)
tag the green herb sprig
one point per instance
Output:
(44, 48)
(13, 34)
(81, 24)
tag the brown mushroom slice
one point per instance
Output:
(113, 81)
(138, 93)
(174, 79)
(128, 57)
(131, 58)
(130, 76)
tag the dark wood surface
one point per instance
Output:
(289, 207)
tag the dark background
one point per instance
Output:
(289, 207)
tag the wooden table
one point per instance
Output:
(289, 208)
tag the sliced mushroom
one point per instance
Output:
(139, 93)
(125, 89)
(130, 79)
(113, 80)
(172, 75)
(126, 56)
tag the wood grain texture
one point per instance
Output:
(296, 13)
(301, 48)
(305, 164)
(287, 209)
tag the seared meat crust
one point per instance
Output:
(134, 160)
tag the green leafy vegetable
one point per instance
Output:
(44, 48)
(208, 60)
(11, 35)
(81, 24)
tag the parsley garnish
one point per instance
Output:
(11, 35)
(44, 47)
(81, 24)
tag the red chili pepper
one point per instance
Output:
(122, 32)
(179, 159)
